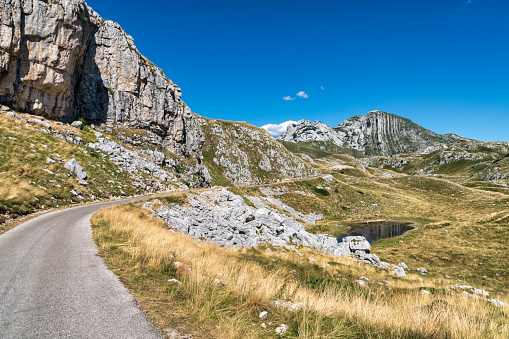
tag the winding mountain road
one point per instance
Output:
(53, 284)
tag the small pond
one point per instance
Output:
(374, 231)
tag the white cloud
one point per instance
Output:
(288, 98)
(322, 87)
(277, 129)
(302, 94)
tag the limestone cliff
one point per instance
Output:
(61, 60)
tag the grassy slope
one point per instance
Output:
(461, 227)
(29, 184)
(463, 234)
(320, 149)
(464, 170)
(223, 290)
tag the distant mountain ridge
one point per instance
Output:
(375, 133)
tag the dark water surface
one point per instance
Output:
(374, 231)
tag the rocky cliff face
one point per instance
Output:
(376, 133)
(61, 60)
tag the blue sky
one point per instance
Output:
(443, 64)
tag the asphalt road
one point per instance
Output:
(53, 284)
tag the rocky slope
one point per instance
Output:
(241, 154)
(376, 133)
(62, 61)
(46, 164)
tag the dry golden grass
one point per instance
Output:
(223, 291)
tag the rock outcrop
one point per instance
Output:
(61, 60)
(222, 217)
(376, 133)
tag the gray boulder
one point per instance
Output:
(73, 166)
(78, 124)
(357, 243)
(399, 271)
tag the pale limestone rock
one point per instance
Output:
(399, 271)
(281, 329)
(61, 60)
(73, 166)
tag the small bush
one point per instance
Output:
(321, 191)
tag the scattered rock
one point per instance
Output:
(496, 302)
(263, 315)
(360, 283)
(399, 271)
(288, 305)
(17, 116)
(281, 329)
(424, 292)
(422, 270)
(328, 178)
(42, 123)
(73, 166)
(368, 258)
(50, 161)
(78, 124)
(174, 281)
(403, 265)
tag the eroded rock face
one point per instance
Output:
(222, 217)
(375, 133)
(61, 60)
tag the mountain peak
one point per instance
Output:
(375, 133)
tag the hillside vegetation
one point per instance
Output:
(33, 176)
(237, 153)
(209, 291)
